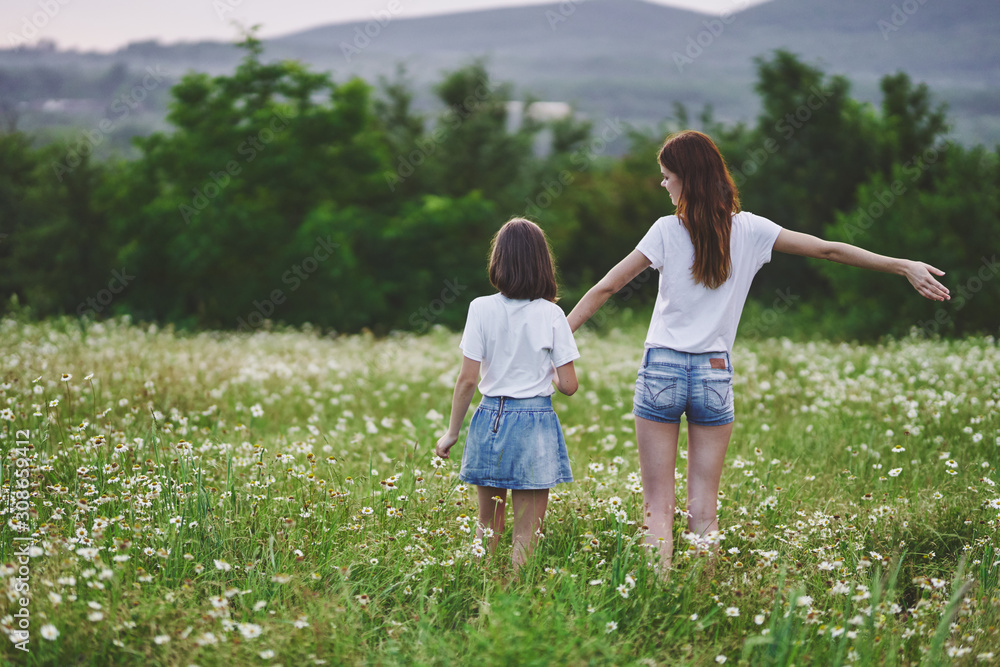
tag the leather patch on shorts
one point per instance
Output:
(718, 363)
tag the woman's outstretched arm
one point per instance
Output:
(616, 279)
(920, 275)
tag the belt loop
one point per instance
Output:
(645, 357)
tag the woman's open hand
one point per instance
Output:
(921, 276)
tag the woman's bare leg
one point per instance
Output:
(707, 447)
(529, 510)
(657, 444)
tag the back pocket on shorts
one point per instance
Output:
(659, 391)
(719, 394)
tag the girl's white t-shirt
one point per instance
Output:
(689, 317)
(519, 342)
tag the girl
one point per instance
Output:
(521, 340)
(707, 255)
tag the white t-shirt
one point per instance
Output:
(689, 317)
(519, 342)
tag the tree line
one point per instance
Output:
(283, 196)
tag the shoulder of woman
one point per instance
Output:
(751, 220)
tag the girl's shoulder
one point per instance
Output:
(486, 300)
(665, 226)
(748, 217)
(753, 223)
(667, 221)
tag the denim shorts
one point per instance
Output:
(673, 383)
(515, 443)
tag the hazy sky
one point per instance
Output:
(105, 25)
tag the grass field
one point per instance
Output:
(214, 499)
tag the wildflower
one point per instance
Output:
(95, 616)
(623, 590)
(367, 511)
(250, 630)
(256, 410)
(223, 565)
(732, 612)
(161, 639)
(693, 617)
(207, 639)
(759, 619)
(363, 600)
(895, 472)
(49, 632)
(596, 582)
(266, 655)
(840, 588)
(720, 659)
(280, 578)
(610, 627)
(66, 377)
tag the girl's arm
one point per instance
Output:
(465, 389)
(566, 379)
(616, 279)
(918, 273)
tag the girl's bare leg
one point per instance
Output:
(491, 514)
(707, 447)
(529, 510)
(657, 442)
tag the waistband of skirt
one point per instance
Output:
(525, 404)
(666, 355)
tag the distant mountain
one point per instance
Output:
(633, 59)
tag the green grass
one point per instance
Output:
(213, 499)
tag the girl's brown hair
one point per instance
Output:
(521, 262)
(708, 200)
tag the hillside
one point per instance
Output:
(632, 59)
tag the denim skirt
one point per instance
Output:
(673, 383)
(515, 443)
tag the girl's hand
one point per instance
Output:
(921, 276)
(445, 444)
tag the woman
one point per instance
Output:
(707, 256)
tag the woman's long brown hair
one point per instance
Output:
(707, 202)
